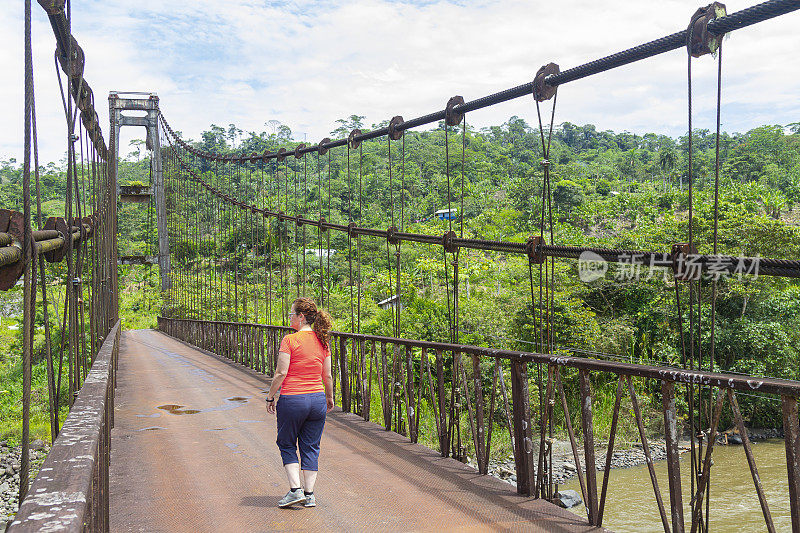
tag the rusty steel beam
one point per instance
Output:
(751, 462)
(523, 433)
(648, 458)
(135, 193)
(791, 430)
(705, 472)
(588, 446)
(471, 416)
(482, 445)
(572, 442)
(545, 444)
(673, 455)
(610, 450)
(344, 375)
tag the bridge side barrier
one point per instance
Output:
(71, 491)
(452, 383)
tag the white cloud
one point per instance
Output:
(308, 64)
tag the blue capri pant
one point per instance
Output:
(301, 419)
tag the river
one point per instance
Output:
(631, 505)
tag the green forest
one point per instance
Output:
(613, 190)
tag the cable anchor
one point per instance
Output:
(448, 242)
(451, 118)
(533, 247)
(700, 41)
(352, 141)
(12, 222)
(394, 133)
(391, 235)
(685, 267)
(541, 89)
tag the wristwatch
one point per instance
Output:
(270, 401)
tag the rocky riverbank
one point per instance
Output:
(10, 460)
(564, 463)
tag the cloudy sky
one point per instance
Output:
(307, 64)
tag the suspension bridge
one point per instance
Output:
(167, 429)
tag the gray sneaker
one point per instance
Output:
(291, 498)
(311, 501)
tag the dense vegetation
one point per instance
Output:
(613, 190)
(609, 189)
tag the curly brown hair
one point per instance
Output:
(317, 318)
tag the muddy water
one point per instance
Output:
(631, 505)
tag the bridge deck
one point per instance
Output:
(216, 467)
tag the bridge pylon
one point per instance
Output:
(118, 102)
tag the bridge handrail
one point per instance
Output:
(669, 373)
(71, 491)
(401, 388)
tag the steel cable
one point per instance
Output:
(712, 264)
(734, 21)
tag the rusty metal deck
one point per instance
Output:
(193, 449)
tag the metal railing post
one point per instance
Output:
(523, 443)
(791, 431)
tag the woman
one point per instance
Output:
(303, 376)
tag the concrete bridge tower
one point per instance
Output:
(148, 102)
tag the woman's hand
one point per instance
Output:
(329, 400)
(271, 407)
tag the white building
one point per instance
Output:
(390, 303)
(316, 252)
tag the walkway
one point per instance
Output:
(193, 450)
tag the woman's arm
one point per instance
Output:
(327, 380)
(277, 379)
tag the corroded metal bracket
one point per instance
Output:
(322, 149)
(541, 90)
(533, 247)
(451, 118)
(448, 241)
(14, 226)
(351, 139)
(682, 266)
(394, 133)
(60, 225)
(700, 41)
(391, 236)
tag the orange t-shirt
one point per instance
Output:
(306, 355)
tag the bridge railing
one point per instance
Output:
(464, 389)
(71, 491)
